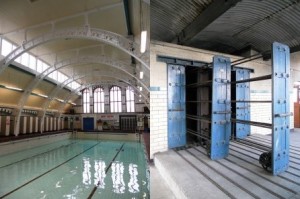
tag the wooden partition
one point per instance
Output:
(297, 115)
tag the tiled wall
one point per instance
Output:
(158, 117)
(261, 112)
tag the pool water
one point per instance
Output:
(76, 169)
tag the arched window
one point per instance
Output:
(129, 99)
(86, 100)
(115, 99)
(98, 100)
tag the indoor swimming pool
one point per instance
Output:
(76, 169)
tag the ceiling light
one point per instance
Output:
(140, 96)
(13, 88)
(143, 41)
(141, 75)
(141, 88)
(60, 100)
(41, 95)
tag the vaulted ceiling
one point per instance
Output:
(22, 21)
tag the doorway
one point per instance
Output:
(88, 124)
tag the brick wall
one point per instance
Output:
(158, 118)
(158, 105)
(261, 112)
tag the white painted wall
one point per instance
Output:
(24, 125)
(7, 123)
(61, 123)
(36, 129)
(55, 124)
(51, 124)
(30, 124)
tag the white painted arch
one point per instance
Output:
(105, 36)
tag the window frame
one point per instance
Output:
(98, 100)
(130, 100)
(115, 105)
(86, 101)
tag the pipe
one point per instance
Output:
(260, 124)
(198, 118)
(205, 83)
(266, 77)
(247, 101)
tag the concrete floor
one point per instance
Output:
(238, 176)
(159, 189)
(295, 137)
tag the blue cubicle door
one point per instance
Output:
(280, 107)
(88, 124)
(221, 108)
(242, 108)
(176, 106)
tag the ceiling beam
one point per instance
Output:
(127, 17)
(210, 14)
(295, 49)
(128, 23)
(267, 56)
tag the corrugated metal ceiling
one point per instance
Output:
(255, 23)
(169, 17)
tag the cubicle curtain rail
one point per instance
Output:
(233, 101)
(200, 84)
(251, 101)
(199, 101)
(206, 119)
(205, 137)
(260, 78)
(259, 124)
(205, 65)
(208, 83)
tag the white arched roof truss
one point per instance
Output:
(100, 35)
